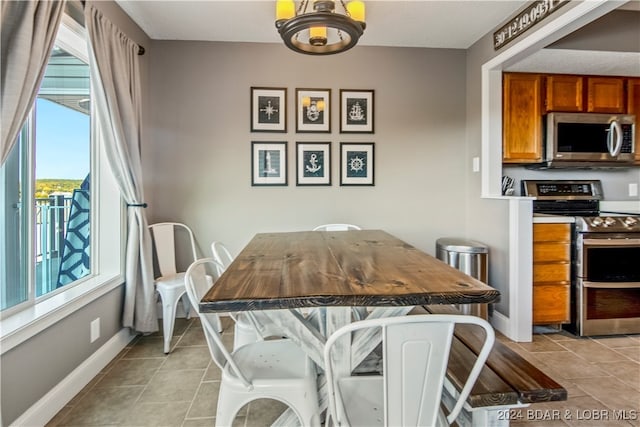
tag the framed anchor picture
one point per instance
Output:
(356, 111)
(268, 109)
(313, 163)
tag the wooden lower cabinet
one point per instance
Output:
(551, 273)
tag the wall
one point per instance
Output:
(33, 368)
(198, 161)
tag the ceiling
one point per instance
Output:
(426, 23)
(455, 24)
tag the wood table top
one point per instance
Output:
(338, 268)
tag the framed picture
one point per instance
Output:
(356, 111)
(268, 163)
(356, 163)
(268, 109)
(313, 163)
(313, 110)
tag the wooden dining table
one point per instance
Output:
(283, 275)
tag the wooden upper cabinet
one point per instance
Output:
(522, 118)
(564, 93)
(580, 94)
(605, 95)
(633, 107)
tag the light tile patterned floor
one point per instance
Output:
(144, 387)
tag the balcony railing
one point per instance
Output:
(52, 218)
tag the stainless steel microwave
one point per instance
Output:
(589, 140)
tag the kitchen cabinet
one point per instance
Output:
(588, 94)
(605, 95)
(633, 107)
(522, 118)
(551, 273)
(564, 93)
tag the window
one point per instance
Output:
(57, 195)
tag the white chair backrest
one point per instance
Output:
(197, 285)
(415, 356)
(336, 227)
(164, 239)
(221, 254)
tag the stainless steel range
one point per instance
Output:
(605, 282)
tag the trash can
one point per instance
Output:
(471, 258)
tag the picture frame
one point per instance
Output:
(357, 163)
(313, 110)
(313, 163)
(268, 109)
(268, 163)
(356, 111)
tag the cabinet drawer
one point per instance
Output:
(551, 304)
(552, 232)
(552, 251)
(551, 272)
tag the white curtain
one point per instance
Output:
(115, 79)
(29, 29)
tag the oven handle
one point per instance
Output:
(610, 242)
(610, 285)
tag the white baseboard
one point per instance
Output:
(501, 323)
(41, 412)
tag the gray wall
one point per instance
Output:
(198, 158)
(32, 369)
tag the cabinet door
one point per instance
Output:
(605, 95)
(551, 304)
(633, 107)
(564, 93)
(551, 273)
(522, 118)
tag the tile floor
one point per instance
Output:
(143, 387)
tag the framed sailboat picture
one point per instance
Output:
(268, 163)
(356, 111)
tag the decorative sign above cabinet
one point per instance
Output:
(524, 20)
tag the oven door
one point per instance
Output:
(607, 285)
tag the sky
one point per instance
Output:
(62, 136)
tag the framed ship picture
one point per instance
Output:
(356, 111)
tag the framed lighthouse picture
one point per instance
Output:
(356, 111)
(268, 163)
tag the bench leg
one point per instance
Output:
(482, 416)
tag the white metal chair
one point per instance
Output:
(170, 283)
(408, 393)
(221, 254)
(248, 327)
(336, 227)
(273, 369)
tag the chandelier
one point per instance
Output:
(323, 30)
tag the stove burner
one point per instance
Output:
(609, 224)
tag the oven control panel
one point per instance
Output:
(563, 190)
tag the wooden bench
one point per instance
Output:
(507, 383)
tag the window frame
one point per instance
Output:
(108, 226)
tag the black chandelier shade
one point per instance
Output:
(341, 32)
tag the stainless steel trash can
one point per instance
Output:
(471, 258)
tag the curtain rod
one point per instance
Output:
(141, 50)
